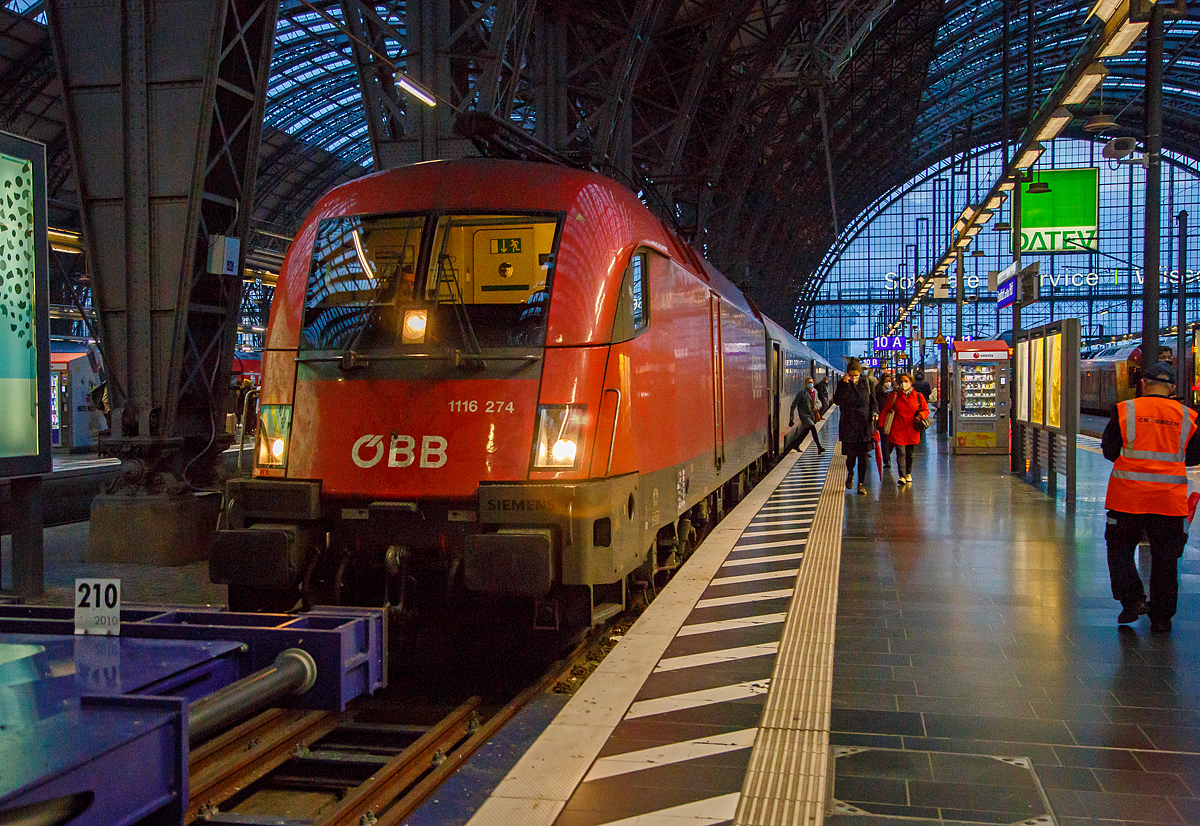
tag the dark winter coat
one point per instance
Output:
(856, 427)
(802, 406)
(823, 393)
(907, 406)
(924, 388)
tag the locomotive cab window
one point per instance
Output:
(495, 270)
(633, 304)
(383, 281)
(363, 268)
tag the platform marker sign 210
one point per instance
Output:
(891, 342)
(98, 606)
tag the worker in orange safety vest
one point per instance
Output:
(1150, 440)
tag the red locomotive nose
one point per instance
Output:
(404, 439)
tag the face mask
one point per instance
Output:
(808, 387)
(905, 385)
(887, 385)
(854, 379)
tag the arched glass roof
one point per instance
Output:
(868, 273)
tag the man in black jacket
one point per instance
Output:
(856, 428)
(922, 386)
(823, 392)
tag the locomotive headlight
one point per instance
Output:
(559, 432)
(274, 430)
(415, 322)
(564, 451)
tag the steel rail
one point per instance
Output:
(400, 772)
(249, 753)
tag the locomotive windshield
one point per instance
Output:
(462, 281)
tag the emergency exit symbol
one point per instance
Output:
(506, 246)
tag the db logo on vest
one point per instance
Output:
(401, 452)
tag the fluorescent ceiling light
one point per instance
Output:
(1061, 117)
(1103, 9)
(1087, 83)
(964, 242)
(995, 202)
(1030, 156)
(984, 215)
(1007, 184)
(415, 89)
(972, 230)
(1119, 41)
(958, 225)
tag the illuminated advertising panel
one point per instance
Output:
(1023, 381)
(24, 310)
(1037, 380)
(1054, 371)
(1064, 219)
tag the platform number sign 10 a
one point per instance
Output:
(98, 606)
(891, 342)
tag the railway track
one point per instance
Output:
(331, 769)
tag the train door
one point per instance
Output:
(718, 366)
(776, 384)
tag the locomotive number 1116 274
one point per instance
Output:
(473, 406)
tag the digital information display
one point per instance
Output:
(891, 342)
(24, 319)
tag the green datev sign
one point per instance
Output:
(1067, 218)
(24, 334)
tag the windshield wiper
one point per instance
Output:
(473, 358)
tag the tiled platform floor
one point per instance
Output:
(975, 617)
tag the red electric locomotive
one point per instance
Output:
(508, 375)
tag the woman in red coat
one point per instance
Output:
(908, 406)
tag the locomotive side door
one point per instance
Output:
(714, 303)
(776, 410)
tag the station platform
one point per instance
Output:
(942, 653)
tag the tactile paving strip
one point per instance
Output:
(786, 782)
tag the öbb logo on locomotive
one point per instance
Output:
(368, 451)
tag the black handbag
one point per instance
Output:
(921, 423)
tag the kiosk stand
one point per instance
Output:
(24, 352)
(1046, 424)
(980, 392)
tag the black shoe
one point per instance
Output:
(849, 482)
(820, 449)
(1160, 626)
(1130, 612)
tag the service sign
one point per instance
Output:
(891, 342)
(1067, 218)
(1006, 293)
(24, 309)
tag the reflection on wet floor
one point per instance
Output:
(975, 618)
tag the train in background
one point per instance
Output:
(502, 378)
(77, 409)
(1110, 374)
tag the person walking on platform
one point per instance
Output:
(823, 393)
(804, 406)
(883, 391)
(922, 385)
(1150, 440)
(857, 425)
(906, 406)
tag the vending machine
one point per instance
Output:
(979, 387)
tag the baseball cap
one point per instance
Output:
(1160, 371)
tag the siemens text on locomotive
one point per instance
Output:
(499, 377)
